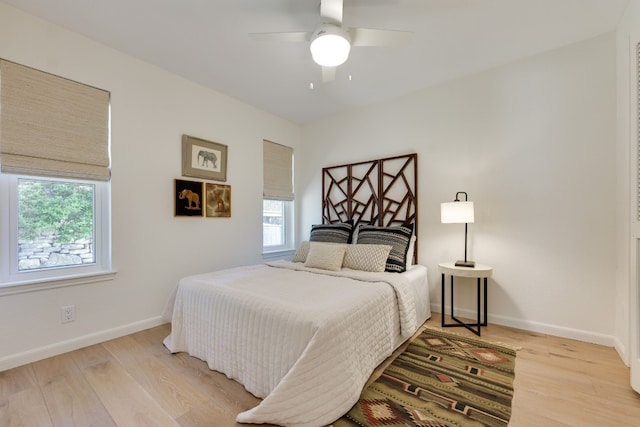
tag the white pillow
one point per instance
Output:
(327, 256)
(302, 252)
(366, 257)
(411, 250)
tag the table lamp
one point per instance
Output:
(458, 212)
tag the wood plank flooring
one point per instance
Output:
(133, 381)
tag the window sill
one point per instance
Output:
(279, 254)
(13, 288)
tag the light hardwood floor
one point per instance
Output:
(133, 381)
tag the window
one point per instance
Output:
(277, 221)
(55, 223)
(277, 204)
(54, 181)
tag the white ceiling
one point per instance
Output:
(207, 42)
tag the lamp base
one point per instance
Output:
(465, 263)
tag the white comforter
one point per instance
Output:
(303, 341)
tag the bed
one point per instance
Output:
(305, 335)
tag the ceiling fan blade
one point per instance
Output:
(299, 36)
(371, 37)
(331, 11)
(328, 74)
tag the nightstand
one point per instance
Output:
(480, 272)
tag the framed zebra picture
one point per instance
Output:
(204, 159)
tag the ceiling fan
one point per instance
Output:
(331, 43)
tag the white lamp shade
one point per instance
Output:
(330, 46)
(456, 212)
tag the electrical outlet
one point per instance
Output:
(67, 313)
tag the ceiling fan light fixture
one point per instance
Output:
(330, 45)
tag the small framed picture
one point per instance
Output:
(218, 200)
(204, 159)
(188, 198)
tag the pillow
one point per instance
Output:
(301, 253)
(410, 251)
(339, 232)
(366, 257)
(398, 237)
(327, 256)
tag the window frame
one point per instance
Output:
(13, 280)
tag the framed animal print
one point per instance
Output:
(218, 200)
(188, 198)
(204, 159)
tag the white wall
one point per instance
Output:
(152, 249)
(626, 313)
(533, 143)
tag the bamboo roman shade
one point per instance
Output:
(278, 171)
(51, 126)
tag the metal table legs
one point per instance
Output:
(459, 323)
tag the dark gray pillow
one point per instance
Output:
(339, 232)
(397, 237)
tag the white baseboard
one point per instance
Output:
(543, 328)
(18, 359)
(622, 351)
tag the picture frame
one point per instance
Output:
(218, 200)
(188, 200)
(204, 159)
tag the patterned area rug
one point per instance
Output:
(440, 380)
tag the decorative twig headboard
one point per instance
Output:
(381, 192)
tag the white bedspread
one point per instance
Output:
(303, 341)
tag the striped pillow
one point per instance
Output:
(339, 232)
(397, 237)
(366, 257)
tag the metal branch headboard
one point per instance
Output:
(381, 192)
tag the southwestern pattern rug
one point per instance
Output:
(440, 380)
